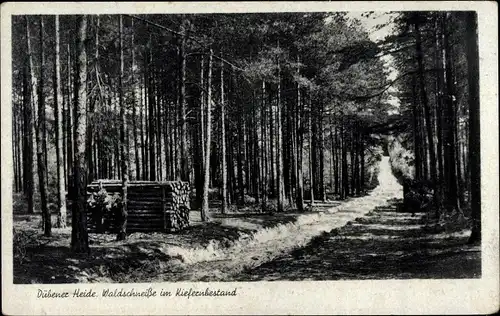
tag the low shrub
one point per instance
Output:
(214, 194)
(418, 196)
(402, 161)
(20, 241)
(247, 199)
(104, 208)
(371, 179)
(272, 206)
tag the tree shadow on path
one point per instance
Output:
(383, 245)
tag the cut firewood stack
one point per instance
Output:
(176, 206)
(152, 206)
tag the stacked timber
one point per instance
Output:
(152, 206)
(177, 206)
(145, 208)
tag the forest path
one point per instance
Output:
(219, 263)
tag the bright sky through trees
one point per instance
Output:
(379, 25)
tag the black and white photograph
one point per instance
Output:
(228, 147)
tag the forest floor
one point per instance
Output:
(122, 261)
(385, 244)
(366, 237)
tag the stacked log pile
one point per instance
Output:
(145, 211)
(177, 206)
(152, 206)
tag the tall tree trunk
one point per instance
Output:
(272, 144)
(184, 174)
(61, 196)
(439, 103)
(424, 147)
(167, 137)
(257, 147)
(321, 154)
(279, 147)
(201, 132)
(458, 158)
(29, 124)
(79, 235)
(34, 102)
(416, 133)
(70, 118)
(231, 168)
(311, 150)
(176, 117)
(20, 141)
(314, 151)
(425, 103)
(42, 178)
(202, 107)
(352, 154)
(332, 157)
(43, 113)
(345, 175)
(18, 144)
(204, 208)
(117, 162)
(474, 124)
(223, 139)
(336, 168)
(239, 143)
(246, 155)
(168, 141)
(122, 232)
(300, 151)
(151, 117)
(265, 182)
(159, 163)
(362, 166)
(142, 127)
(25, 125)
(356, 164)
(134, 110)
(15, 143)
(450, 159)
(291, 155)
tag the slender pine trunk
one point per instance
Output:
(311, 150)
(279, 149)
(205, 208)
(474, 124)
(184, 174)
(223, 139)
(42, 177)
(416, 133)
(300, 151)
(122, 232)
(452, 202)
(29, 124)
(61, 196)
(425, 103)
(265, 182)
(79, 235)
(134, 109)
(151, 117)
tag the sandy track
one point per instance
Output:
(217, 262)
